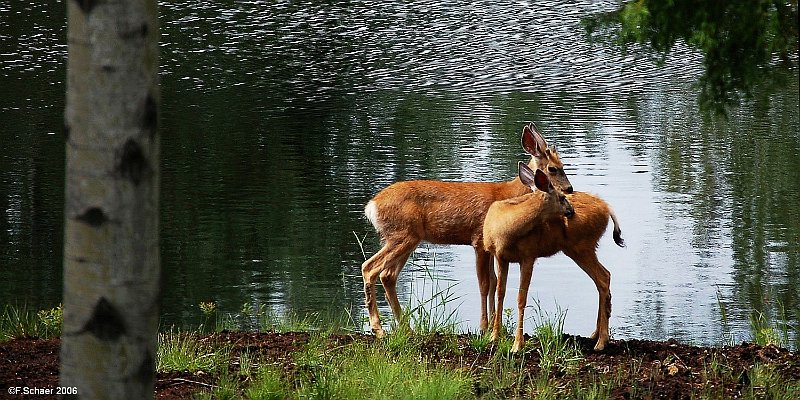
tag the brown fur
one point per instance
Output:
(522, 231)
(406, 213)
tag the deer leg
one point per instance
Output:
(492, 287)
(601, 277)
(486, 283)
(502, 278)
(389, 255)
(369, 272)
(389, 277)
(526, 272)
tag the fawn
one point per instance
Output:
(524, 228)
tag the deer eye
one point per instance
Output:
(552, 170)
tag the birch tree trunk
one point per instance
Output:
(111, 253)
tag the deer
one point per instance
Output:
(539, 224)
(407, 212)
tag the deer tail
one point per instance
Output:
(617, 231)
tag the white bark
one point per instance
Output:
(111, 253)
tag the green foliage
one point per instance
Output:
(766, 332)
(19, 322)
(401, 339)
(542, 388)
(592, 391)
(431, 314)
(556, 351)
(225, 389)
(185, 351)
(740, 39)
(208, 308)
(715, 370)
(506, 371)
(269, 385)
(766, 383)
(212, 320)
(375, 371)
(480, 341)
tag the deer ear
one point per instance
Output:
(532, 140)
(526, 175)
(541, 181)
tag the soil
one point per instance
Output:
(663, 370)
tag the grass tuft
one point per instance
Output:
(21, 323)
(186, 351)
(375, 371)
(556, 351)
(433, 313)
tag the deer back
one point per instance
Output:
(436, 211)
(589, 223)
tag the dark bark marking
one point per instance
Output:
(150, 116)
(66, 132)
(106, 322)
(109, 68)
(132, 162)
(86, 5)
(137, 33)
(93, 216)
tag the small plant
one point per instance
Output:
(764, 332)
(480, 341)
(401, 340)
(51, 321)
(555, 351)
(268, 385)
(765, 383)
(509, 323)
(247, 366)
(593, 391)
(502, 347)
(431, 314)
(185, 351)
(542, 389)
(209, 310)
(506, 370)
(225, 389)
(17, 323)
(715, 370)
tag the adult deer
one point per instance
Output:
(408, 212)
(524, 228)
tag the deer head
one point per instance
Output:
(545, 157)
(540, 180)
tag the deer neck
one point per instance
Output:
(515, 187)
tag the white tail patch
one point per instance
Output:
(371, 211)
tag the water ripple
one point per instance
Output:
(472, 48)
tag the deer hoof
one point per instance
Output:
(601, 344)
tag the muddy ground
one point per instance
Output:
(668, 370)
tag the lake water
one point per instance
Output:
(281, 119)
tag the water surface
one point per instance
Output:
(281, 119)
